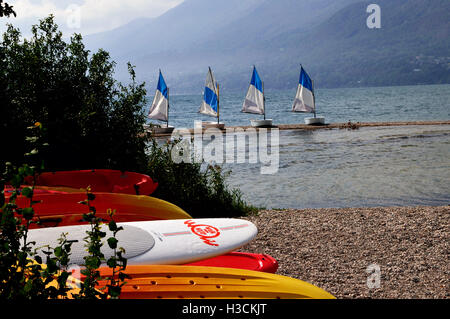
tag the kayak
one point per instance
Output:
(197, 282)
(59, 208)
(158, 242)
(100, 180)
(39, 190)
(240, 260)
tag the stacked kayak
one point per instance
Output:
(241, 260)
(169, 254)
(61, 207)
(165, 242)
(100, 180)
(196, 282)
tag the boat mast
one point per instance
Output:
(168, 105)
(264, 101)
(314, 98)
(218, 102)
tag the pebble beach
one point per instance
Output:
(343, 250)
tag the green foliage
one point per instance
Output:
(20, 277)
(92, 121)
(24, 274)
(202, 192)
(6, 10)
(116, 262)
(95, 257)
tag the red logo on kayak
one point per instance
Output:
(205, 232)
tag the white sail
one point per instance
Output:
(254, 100)
(210, 101)
(304, 98)
(160, 106)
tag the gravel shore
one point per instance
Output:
(332, 249)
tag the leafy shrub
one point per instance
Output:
(6, 10)
(92, 121)
(24, 274)
(202, 192)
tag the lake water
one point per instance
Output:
(371, 166)
(405, 103)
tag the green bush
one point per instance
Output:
(92, 121)
(24, 274)
(6, 10)
(201, 192)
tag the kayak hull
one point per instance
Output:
(196, 282)
(240, 260)
(100, 180)
(64, 209)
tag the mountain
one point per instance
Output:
(177, 29)
(329, 37)
(412, 46)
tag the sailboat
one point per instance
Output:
(160, 107)
(211, 101)
(305, 100)
(255, 101)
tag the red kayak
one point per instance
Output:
(100, 180)
(61, 207)
(247, 261)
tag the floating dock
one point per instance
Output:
(348, 125)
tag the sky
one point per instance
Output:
(84, 16)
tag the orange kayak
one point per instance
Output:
(196, 282)
(100, 180)
(62, 208)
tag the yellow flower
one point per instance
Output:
(110, 212)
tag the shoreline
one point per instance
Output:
(333, 247)
(348, 125)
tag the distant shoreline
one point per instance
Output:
(348, 125)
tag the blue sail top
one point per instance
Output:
(162, 87)
(305, 80)
(256, 80)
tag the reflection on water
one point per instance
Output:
(381, 166)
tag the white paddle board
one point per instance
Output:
(163, 242)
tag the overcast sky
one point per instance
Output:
(84, 16)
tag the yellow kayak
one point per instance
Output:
(60, 207)
(198, 282)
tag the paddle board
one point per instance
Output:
(197, 282)
(157, 242)
(241, 260)
(64, 209)
(100, 180)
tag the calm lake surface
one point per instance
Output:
(371, 166)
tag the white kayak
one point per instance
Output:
(163, 242)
